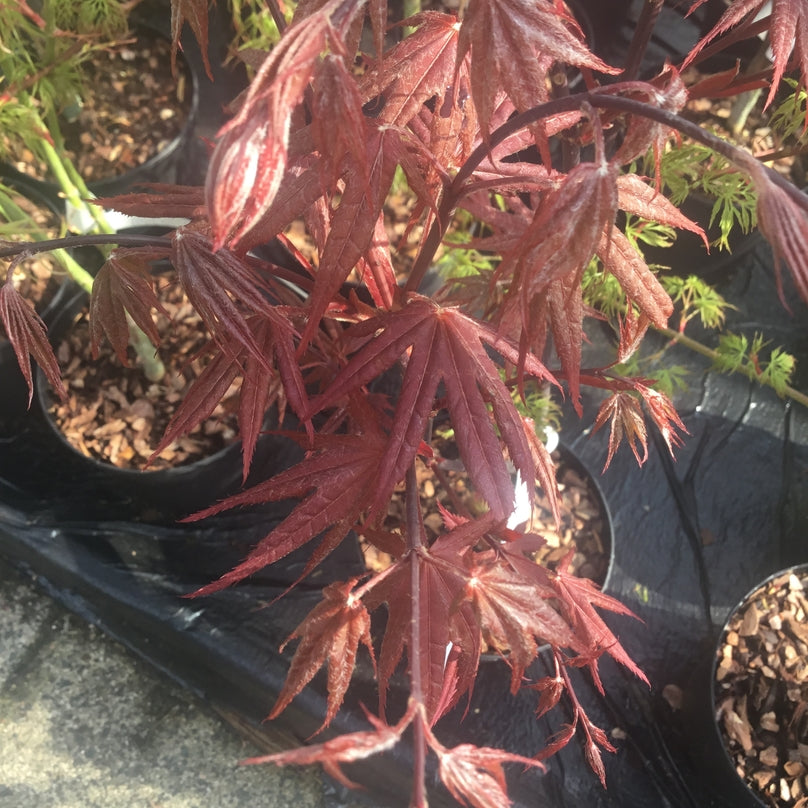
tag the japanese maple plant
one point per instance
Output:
(474, 111)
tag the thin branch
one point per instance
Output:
(277, 15)
(713, 356)
(9, 249)
(641, 37)
(601, 99)
(416, 540)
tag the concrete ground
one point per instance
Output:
(84, 724)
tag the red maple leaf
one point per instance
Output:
(788, 31)
(124, 286)
(512, 45)
(331, 633)
(474, 775)
(442, 345)
(345, 749)
(514, 616)
(636, 196)
(274, 335)
(564, 233)
(195, 12)
(160, 201)
(221, 286)
(667, 91)
(784, 222)
(625, 413)
(332, 484)
(578, 598)
(620, 259)
(29, 337)
(250, 160)
(418, 68)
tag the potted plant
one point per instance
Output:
(472, 114)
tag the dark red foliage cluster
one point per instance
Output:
(470, 112)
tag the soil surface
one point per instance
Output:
(761, 691)
(583, 531)
(132, 109)
(36, 278)
(117, 415)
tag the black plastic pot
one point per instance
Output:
(181, 161)
(742, 683)
(30, 189)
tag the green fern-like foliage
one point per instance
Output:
(737, 354)
(458, 260)
(788, 119)
(691, 168)
(106, 18)
(696, 298)
(254, 26)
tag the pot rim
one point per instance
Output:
(75, 300)
(762, 584)
(113, 184)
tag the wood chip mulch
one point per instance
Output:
(36, 278)
(761, 693)
(584, 527)
(117, 415)
(132, 110)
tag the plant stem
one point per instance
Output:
(73, 186)
(712, 355)
(153, 367)
(277, 15)
(415, 527)
(75, 270)
(86, 240)
(602, 99)
(641, 37)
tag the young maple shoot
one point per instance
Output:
(465, 112)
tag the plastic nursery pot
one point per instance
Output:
(760, 677)
(39, 279)
(129, 407)
(175, 161)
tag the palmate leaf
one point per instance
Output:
(220, 286)
(124, 285)
(29, 338)
(344, 749)
(784, 223)
(274, 335)
(332, 484)
(564, 233)
(624, 411)
(250, 159)
(420, 67)
(620, 259)
(578, 598)
(331, 633)
(515, 617)
(354, 223)
(636, 196)
(474, 776)
(667, 91)
(512, 44)
(442, 344)
(435, 603)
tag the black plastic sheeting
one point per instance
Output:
(691, 537)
